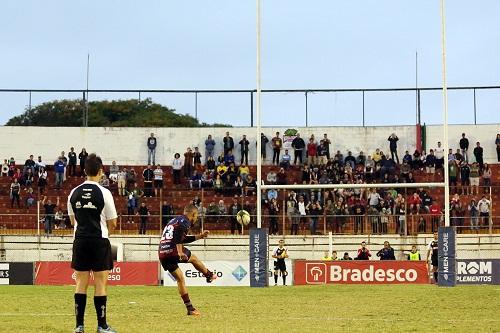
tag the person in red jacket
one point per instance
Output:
(363, 252)
(435, 210)
(415, 201)
(312, 150)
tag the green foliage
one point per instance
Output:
(120, 113)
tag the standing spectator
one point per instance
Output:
(28, 178)
(478, 154)
(233, 211)
(210, 164)
(72, 162)
(400, 210)
(197, 159)
(158, 179)
(414, 255)
(15, 189)
(311, 152)
(326, 143)
(464, 147)
(430, 162)
(452, 174)
(263, 145)
(497, 143)
(113, 171)
(151, 143)
(177, 165)
(244, 143)
(227, 143)
(301, 207)
(393, 146)
(474, 178)
(209, 147)
(363, 252)
(474, 214)
(143, 213)
(387, 252)
(484, 206)
(188, 163)
(277, 143)
(486, 178)
(82, 157)
(49, 214)
(464, 178)
(167, 213)
(59, 166)
(29, 164)
(291, 207)
(273, 217)
(315, 211)
(121, 179)
(65, 160)
(59, 220)
(148, 176)
(321, 151)
(439, 153)
(358, 210)
(42, 180)
(436, 213)
(39, 164)
(298, 145)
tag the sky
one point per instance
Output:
(319, 44)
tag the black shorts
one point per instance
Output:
(92, 254)
(279, 265)
(434, 261)
(171, 263)
(158, 183)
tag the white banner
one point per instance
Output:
(229, 273)
(4, 273)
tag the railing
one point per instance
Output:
(312, 103)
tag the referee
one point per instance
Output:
(92, 212)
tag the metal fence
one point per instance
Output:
(311, 107)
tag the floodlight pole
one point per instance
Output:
(445, 118)
(257, 116)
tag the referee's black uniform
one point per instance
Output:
(91, 205)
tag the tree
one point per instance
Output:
(120, 113)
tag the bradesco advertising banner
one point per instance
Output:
(478, 271)
(123, 273)
(360, 272)
(229, 273)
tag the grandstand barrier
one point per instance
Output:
(478, 271)
(360, 272)
(123, 273)
(16, 273)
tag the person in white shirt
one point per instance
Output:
(158, 179)
(301, 206)
(113, 172)
(39, 164)
(439, 153)
(121, 179)
(484, 206)
(177, 165)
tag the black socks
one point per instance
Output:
(100, 309)
(80, 303)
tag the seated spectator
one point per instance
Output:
(387, 252)
(238, 185)
(405, 170)
(250, 186)
(271, 194)
(459, 157)
(195, 180)
(210, 165)
(414, 254)
(421, 226)
(386, 166)
(323, 179)
(339, 158)
(18, 175)
(285, 160)
(42, 180)
(361, 159)
(228, 184)
(415, 203)
(430, 162)
(221, 169)
(363, 252)
(271, 177)
(222, 209)
(206, 179)
(346, 256)
(113, 171)
(220, 159)
(407, 157)
(229, 158)
(322, 152)
(104, 181)
(28, 177)
(30, 198)
(349, 159)
(218, 184)
(417, 162)
(426, 201)
(212, 209)
(377, 156)
(243, 171)
(410, 179)
(326, 256)
(59, 219)
(281, 177)
(306, 174)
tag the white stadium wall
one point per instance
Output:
(128, 145)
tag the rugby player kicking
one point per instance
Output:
(171, 252)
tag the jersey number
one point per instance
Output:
(168, 232)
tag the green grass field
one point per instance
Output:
(347, 308)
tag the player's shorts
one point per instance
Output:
(171, 263)
(92, 254)
(158, 183)
(434, 261)
(279, 265)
